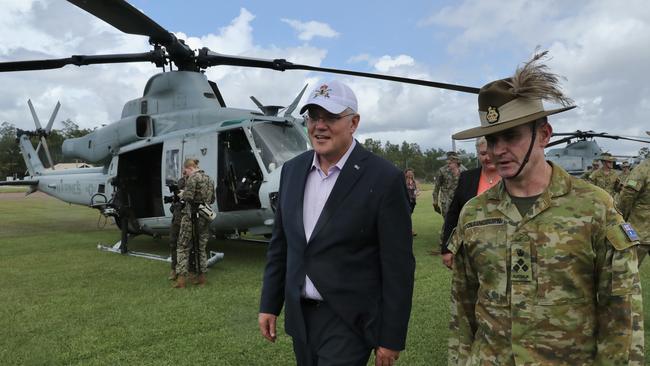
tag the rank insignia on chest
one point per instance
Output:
(520, 268)
(629, 232)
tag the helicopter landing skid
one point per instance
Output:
(116, 248)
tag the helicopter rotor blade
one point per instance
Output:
(125, 17)
(257, 103)
(37, 122)
(560, 141)
(207, 58)
(128, 19)
(294, 104)
(48, 128)
(47, 152)
(155, 56)
(634, 139)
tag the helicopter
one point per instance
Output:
(181, 114)
(581, 149)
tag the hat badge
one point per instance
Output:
(492, 115)
(323, 91)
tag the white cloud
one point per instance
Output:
(386, 63)
(308, 30)
(600, 46)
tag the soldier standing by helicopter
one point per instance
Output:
(606, 176)
(445, 186)
(194, 230)
(175, 228)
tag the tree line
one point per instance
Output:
(11, 161)
(409, 155)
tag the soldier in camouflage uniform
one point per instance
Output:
(446, 183)
(634, 203)
(606, 176)
(199, 189)
(544, 272)
(444, 187)
(176, 208)
(622, 176)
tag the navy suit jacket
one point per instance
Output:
(359, 256)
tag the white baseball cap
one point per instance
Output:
(334, 96)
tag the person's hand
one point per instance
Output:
(385, 356)
(267, 326)
(448, 260)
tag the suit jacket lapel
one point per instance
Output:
(352, 171)
(300, 180)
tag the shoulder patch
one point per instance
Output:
(629, 231)
(484, 222)
(621, 236)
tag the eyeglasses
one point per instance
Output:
(328, 118)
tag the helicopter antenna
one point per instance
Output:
(44, 132)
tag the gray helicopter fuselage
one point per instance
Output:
(179, 117)
(576, 156)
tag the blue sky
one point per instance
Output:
(598, 45)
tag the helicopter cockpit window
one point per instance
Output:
(172, 165)
(278, 142)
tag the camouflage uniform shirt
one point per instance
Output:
(444, 188)
(559, 286)
(199, 188)
(604, 181)
(620, 180)
(634, 200)
(177, 207)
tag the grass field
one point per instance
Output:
(63, 302)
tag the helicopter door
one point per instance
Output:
(238, 171)
(202, 147)
(139, 174)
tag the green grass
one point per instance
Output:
(63, 302)
(13, 189)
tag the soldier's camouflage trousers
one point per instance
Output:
(174, 229)
(185, 243)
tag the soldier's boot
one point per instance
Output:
(201, 280)
(172, 275)
(180, 282)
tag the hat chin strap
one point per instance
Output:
(530, 149)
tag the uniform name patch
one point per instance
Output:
(484, 222)
(629, 232)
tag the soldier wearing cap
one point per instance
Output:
(446, 182)
(545, 268)
(445, 185)
(606, 176)
(634, 203)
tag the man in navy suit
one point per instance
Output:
(340, 258)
